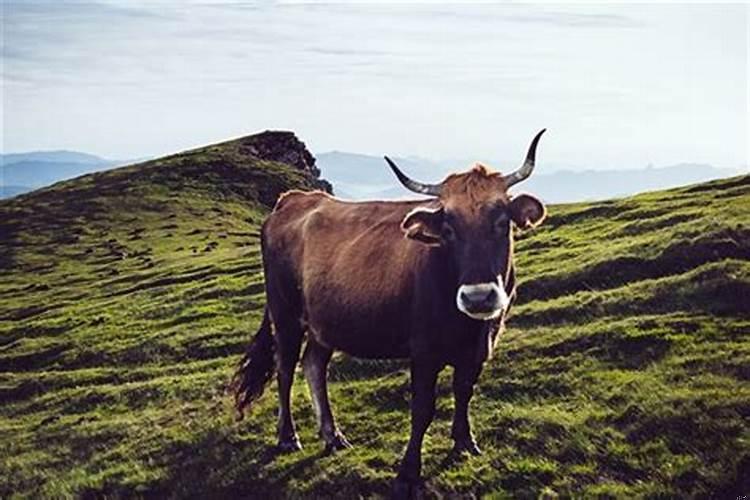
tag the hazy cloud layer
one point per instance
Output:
(618, 86)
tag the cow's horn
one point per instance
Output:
(528, 165)
(412, 185)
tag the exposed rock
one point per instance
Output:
(284, 147)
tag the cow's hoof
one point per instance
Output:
(466, 446)
(336, 443)
(403, 488)
(289, 445)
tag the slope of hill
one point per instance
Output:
(128, 296)
(366, 177)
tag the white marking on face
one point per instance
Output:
(500, 303)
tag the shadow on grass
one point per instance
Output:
(345, 368)
(621, 350)
(218, 466)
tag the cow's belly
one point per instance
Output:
(363, 343)
(374, 331)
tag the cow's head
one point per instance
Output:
(473, 219)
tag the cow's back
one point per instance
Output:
(349, 266)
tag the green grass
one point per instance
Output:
(127, 298)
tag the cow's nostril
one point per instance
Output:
(478, 296)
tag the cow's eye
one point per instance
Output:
(448, 233)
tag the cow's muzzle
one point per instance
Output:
(482, 301)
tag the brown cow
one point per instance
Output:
(429, 280)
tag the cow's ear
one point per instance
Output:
(423, 224)
(527, 211)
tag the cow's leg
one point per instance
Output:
(288, 343)
(315, 364)
(464, 378)
(423, 378)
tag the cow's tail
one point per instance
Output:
(256, 367)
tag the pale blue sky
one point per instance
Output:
(617, 86)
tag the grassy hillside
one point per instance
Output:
(127, 297)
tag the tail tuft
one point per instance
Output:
(255, 369)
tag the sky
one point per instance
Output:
(616, 85)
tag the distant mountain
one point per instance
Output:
(22, 172)
(42, 173)
(8, 191)
(368, 177)
(359, 177)
(590, 185)
(59, 156)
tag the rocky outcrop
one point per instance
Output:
(284, 147)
